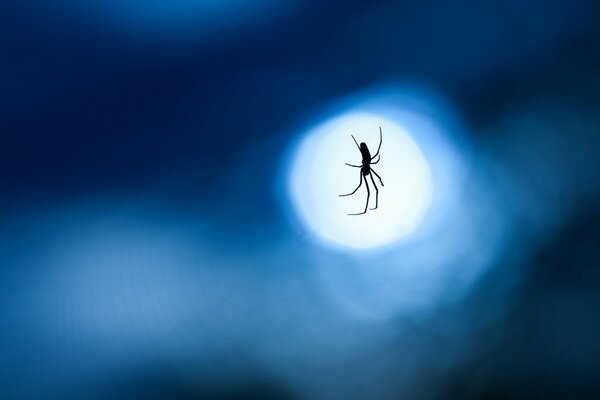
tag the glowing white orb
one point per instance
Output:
(319, 175)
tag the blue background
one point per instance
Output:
(147, 249)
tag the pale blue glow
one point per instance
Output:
(319, 175)
(428, 244)
(420, 165)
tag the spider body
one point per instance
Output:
(366, 170)
(366, 159)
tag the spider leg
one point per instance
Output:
(355, 142)
(377, 175)
(355, 166)
(380, 141)
(361, 180)
(377, 160)
(368, 195)
(376, 192)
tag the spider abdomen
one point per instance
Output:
(365, 153)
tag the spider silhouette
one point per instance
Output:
(365, 169)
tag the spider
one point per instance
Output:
(365, 169)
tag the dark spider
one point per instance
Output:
(365, 169)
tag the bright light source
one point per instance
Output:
(319, 175)
(437, 228)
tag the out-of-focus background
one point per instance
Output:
(149, 244)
